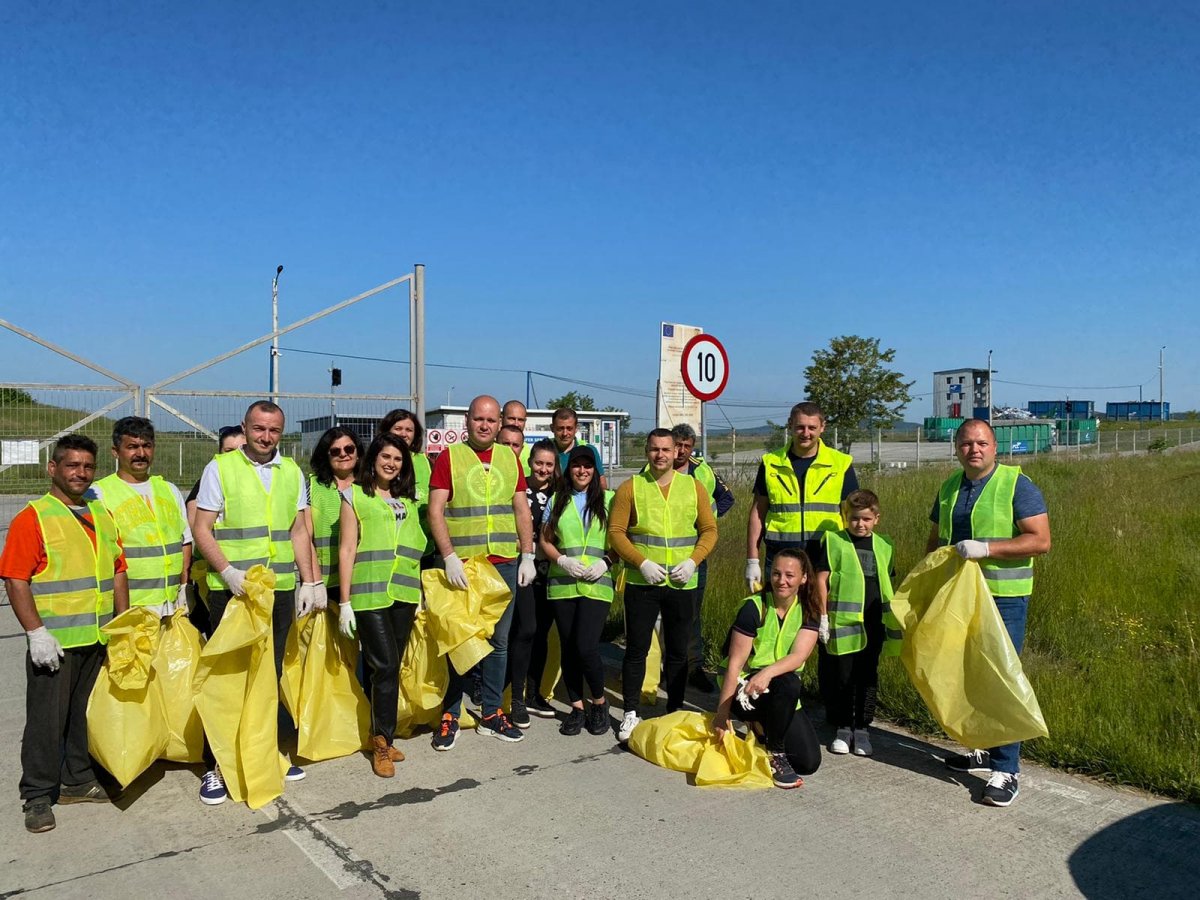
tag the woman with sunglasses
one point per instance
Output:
(379, 556)
(580, 586)
(334, 464)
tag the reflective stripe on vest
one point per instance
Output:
(255, 526)
(387, 565)
(848, 593)
(992, 519)
(665, 530)
(74, 593)
(152, 538)
(326, 504)
(572, 541)
(479, 516)
(793, 519)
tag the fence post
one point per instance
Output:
(918, 448)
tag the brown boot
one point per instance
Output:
(395, 754)
(381, 759)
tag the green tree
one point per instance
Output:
(573, 399)
(15, 397)
(855, 388)
(776, 437)
(624, 419)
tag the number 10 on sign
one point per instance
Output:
(705, 367)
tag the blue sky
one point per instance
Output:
(947, 177)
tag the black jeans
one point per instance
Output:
(696, 641)
(643, 604)
(54, 750)
(849, 682)
(384, 635)
(283, 613)
(533, 614)
(787, 728)
(580, 621)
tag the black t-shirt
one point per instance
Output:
(864, 547)
(747, 621)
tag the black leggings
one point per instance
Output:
(384, 635)
(787, 728)
(643, 604)
(533, 615)
(580, 621)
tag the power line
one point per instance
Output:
(1080, 387)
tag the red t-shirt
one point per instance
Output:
(25, 550)
(439, 478)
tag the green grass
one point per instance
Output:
(1112, 635)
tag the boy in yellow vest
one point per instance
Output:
(65, 575)
(854, 588)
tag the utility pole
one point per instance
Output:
(1162, 403)
(989, 388)
(275, 339)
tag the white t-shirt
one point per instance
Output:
(399, 510)
(210, 496)
(144, 490)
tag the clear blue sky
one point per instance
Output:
(948, 177)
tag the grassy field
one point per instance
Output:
(1112, 637)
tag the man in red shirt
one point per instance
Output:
(64, 571)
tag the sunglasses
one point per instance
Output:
(343, 451)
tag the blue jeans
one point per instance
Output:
(1013, 611)
(492, 667)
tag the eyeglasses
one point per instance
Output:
(351, 450)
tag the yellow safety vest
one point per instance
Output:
(586, 546)
(792, 518)
(992, 519)
(152, 538)
(665, 531)
(387, 564)
(480, 515)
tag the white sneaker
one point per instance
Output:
(862, 742)
(841, 743)
(631, 721)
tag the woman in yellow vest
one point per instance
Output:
(404, 424)
(580, 585)
(379, 555)
(772, 636)
(334, 465)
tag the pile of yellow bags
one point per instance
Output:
(684, 741)
(321, 689)
(959, 655)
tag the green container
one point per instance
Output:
(1073, 432)
(1020, 440)
(940, 429)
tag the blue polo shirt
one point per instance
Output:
(1027, 501)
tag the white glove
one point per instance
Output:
(181, 601)
(321, 596)
(526, 570)
(235, 580)
(753, 576)
(346, 621)
(455, 573)
(653, 572)
(682, 573)
(596, 570)
(571, 566)
(44, 649)
(972, 549)
(743, 699)
(823, 630)
(305, 596)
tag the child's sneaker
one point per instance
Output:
(862, 743)
(782, 772)
(841, 743)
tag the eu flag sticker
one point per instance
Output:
(668, 330)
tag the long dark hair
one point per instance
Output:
(319, 461)
(404, 484)
(557, 477)
(388, 422)
(594, 504)
(807, 594)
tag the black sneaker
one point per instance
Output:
(476, 692)
(598, 721)
(1001, 789)
(540, 707)
(971, 761)
(782, 772)
(520, 715)
(91, 792)
(702, 681)
(39, 816)
(446, 734)
(573, 723)
(499, 726)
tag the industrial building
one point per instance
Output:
(962, 394)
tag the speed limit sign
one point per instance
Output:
(705, 367)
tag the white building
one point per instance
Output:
(600, 428)
(962, 394)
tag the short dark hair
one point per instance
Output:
(863, 499)
(388, 422)
(565, 412)
(806, 408)
(263, 406)
(513, 428)
(659, 433)
(319, 461)
(984, 422)
(134, 427)
(683, 432)
(404, 484)
(72, 442)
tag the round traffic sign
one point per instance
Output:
(705, 367)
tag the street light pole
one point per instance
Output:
(1162, 403)
(275, 340)
(989, 389)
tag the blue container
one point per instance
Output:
(1138, 411)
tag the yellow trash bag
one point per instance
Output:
(959, 655)
(653, 670)
(238, 696)
(463, 620)
(126, 728)
(684, 741)
(321, 690)
(423, 679)
(175, 663)
(553, 671)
